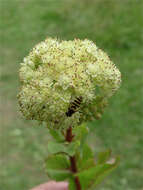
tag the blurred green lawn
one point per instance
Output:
(117, 27)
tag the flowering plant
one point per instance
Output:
(66, 84)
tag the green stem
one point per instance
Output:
(69, 138)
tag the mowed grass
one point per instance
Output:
(117, 27)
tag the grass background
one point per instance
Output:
(117, 27)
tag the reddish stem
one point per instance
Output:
(69, 138)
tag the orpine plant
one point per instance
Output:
(66, 84)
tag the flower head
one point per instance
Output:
(56, 73)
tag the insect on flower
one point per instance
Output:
(74, 106)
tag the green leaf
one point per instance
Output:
(55, 147)
(106, 170)
(59, 175)
(87, 158)
(57, 135)
(57, 162)
(94, 175)
(67, 148)
(72, 148)
(71, 184)
(81, 132)
(82, 165)
(103, 156)
(57, 167)
(87, 152)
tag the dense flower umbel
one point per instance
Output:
(56, 73)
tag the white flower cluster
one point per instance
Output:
(56, 73)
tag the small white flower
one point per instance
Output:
(56, 73)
